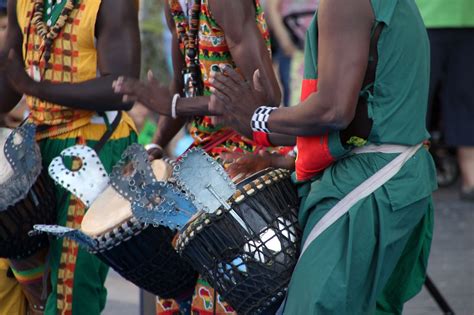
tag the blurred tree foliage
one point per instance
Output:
(153, 28)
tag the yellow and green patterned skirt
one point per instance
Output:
(78, 277)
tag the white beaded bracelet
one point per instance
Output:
(173, 106)
(259, 122)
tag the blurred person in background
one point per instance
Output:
(450, 27)
(285, 43)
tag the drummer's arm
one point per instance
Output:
(167, 126)
(118, 48)
(9, 97)
(344, 40)
(248, 50)
(246, 44)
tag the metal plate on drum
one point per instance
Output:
(112, 208)
(88, 181)
(20, 164)
(163, 204)
(204, 179)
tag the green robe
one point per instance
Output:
(374, 258)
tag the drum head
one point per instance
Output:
(110, 209)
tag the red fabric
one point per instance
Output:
(313, 156)
(261, 138)
(309, 87)
(313, 152)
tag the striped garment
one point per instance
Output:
(213, 50)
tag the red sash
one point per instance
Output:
(313, 152)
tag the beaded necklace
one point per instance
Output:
(193, 85)
(44, 22)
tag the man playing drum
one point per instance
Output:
(62, 45)
(229, 32)
(367, 218)
(205, 34)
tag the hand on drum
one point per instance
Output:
(242, 165)
(155, 151)
(238, 97)
(151, 93)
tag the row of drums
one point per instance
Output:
(246, 247)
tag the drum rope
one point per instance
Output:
(231, 254)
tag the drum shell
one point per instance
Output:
(38, 207)
(148, 260)
(215, 248)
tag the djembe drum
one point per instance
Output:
(248, 250)
(139, 252)
(26, 193)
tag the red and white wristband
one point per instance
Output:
(262, 139)
(259, 122)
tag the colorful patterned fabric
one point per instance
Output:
(30, 274)
(213, 50)
(53, 11)
(73, 60)
(208, 302)
(78, 277)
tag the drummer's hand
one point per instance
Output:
(151, 93)
(155, 151)
(239, 97)
(246, 164)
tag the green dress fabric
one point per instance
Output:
(148, 132)
(53, 11)
(374, 258)
(90, 272)
(447, 14)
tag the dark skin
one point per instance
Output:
(344, 40)
(237, 19)
(117, 55)
(243, 165)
